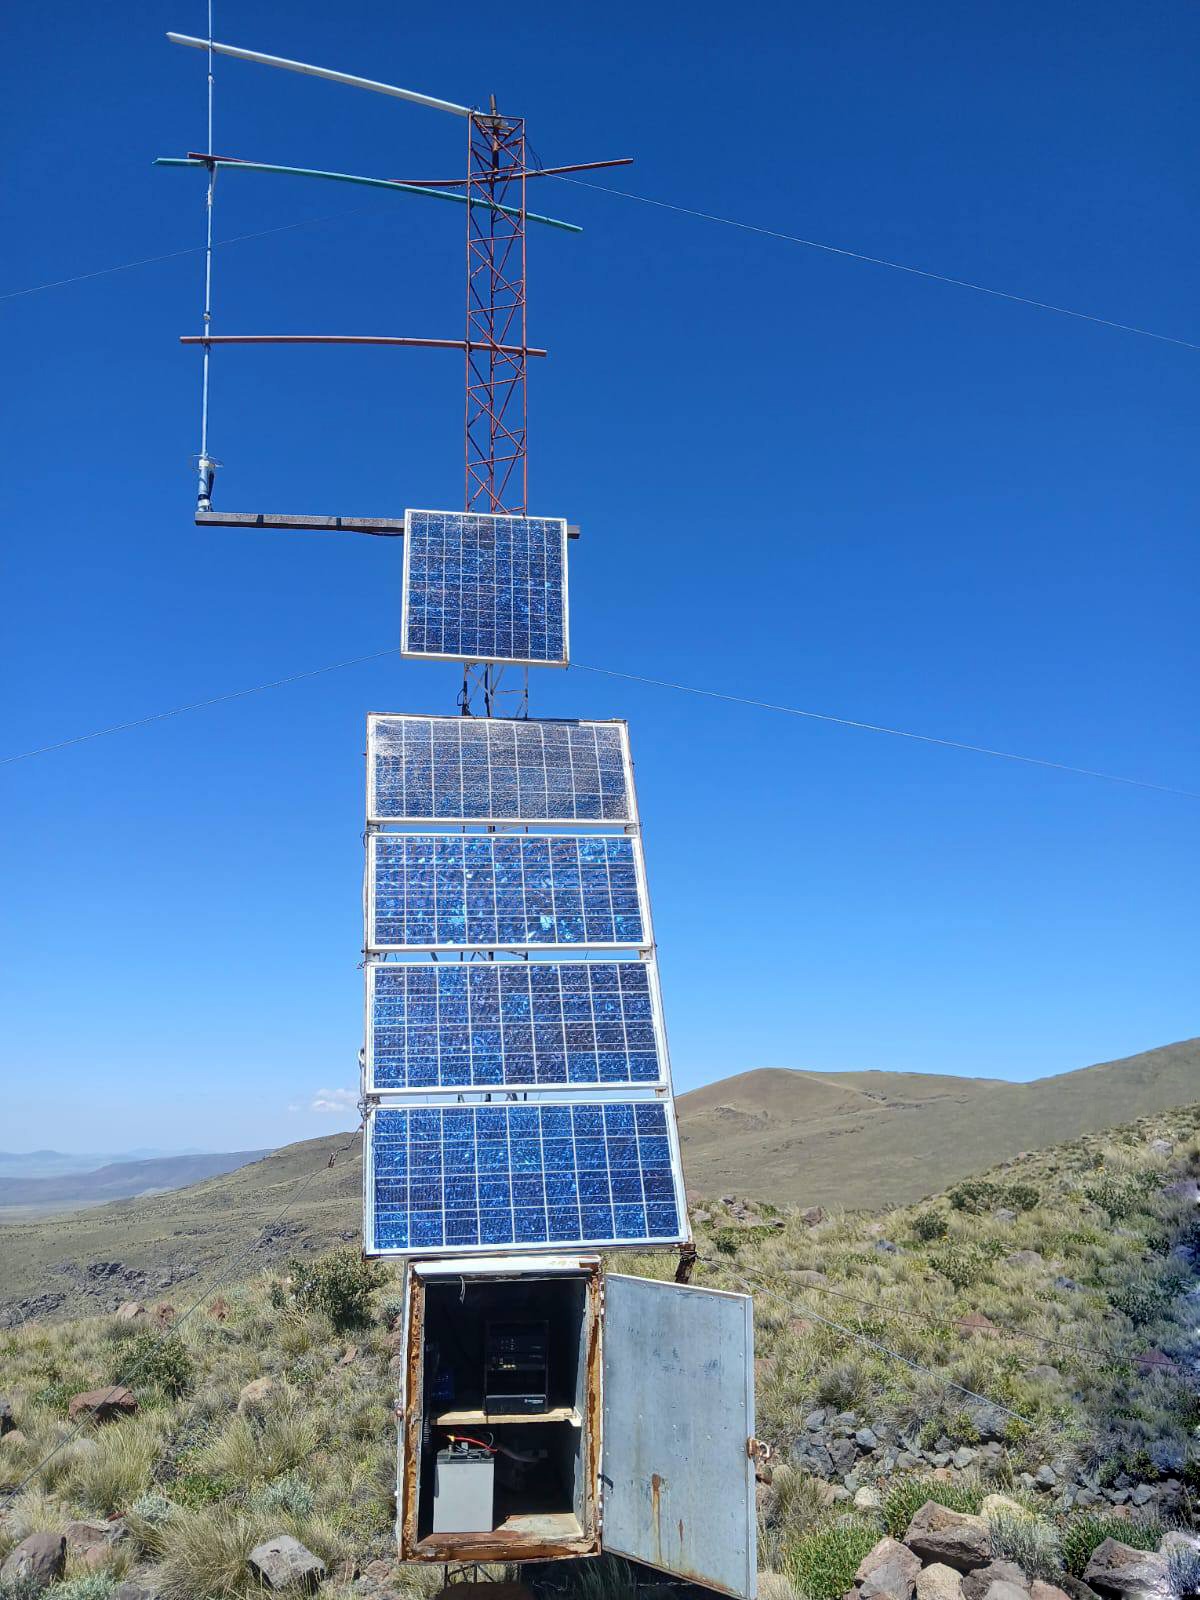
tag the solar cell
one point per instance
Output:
(509, 891)
(477, 769)
(485, 588)
(530, 1175)
(533, 1024)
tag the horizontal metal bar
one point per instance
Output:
(382, 527)
(368, 183)
(531, 172)
(319, 72)
(356, 338)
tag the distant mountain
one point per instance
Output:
(51, 1163)
(873, 1139)
(117, 1180)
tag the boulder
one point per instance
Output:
(284, 1563)
(36, 1563)
(252, 1394)
(867, 1498)
(1045, 1477)
(1039, 1589)
(1119, 1569)
(1001, 1505)
(888, 1572)
(976, 1322)
(811, 1215)
(983, 1581)
(83, 1536)
(135, 1591)
(866, 1439)
(12, 1438)
(939, 1582)
(938, 1534)
(130, 1312)
(843, 1455)
(102, 1405)
(963, 1457)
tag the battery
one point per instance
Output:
(463, 1485)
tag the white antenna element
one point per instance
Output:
(320, 72)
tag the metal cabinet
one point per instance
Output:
(637, 1438)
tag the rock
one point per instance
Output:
(699, 1218)
(1039, 1589)
(1000, 1505)
(809, 1277)
(1168, 1455)
(812, 1456)
(1024, 1258)
(976, 1322)
(349, 1356)
(867, 1498)
(1043, 1373)
(887, 1572)
(378, 1569)
(939, 1582)
(1156, 1361)
(815, 1421)
(1161, 1147)
(283, 1562)
(1063, 1282)
(13, 1437)
(1045, 1477)
(886, 1247)
(1141, 1494)
(938, 1534)
(843, 1455)
(980, 1583)
(1177, 1539)
(135, 1591)
(963, 1458)
(102, 1405)
(252, 1394)
(36, 1563)
(846, 1419)
(1119, 1569)
(219, 1310)
(84, 1536)
(988, 1421)
(165, 1314)
(6, 1416)
(866, 1439)
(810, 1216)
(129, 1312)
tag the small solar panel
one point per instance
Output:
(531, 1175)
(482, 769)
(529, 1024)
(504, 891)
(485, 588)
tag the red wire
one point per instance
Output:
(467, 1438)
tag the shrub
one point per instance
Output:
(844, 1383)
(794, 1504)
(930, 1225)
(392, 1310)
(160, 1359)
(975, 1195)
(1022, 1196)
(87, 1586)
(961, 1263)
(289, 1493)
(208, 1553)
(907, 1495)
(1033, 1544)
(116, 1467)
(823, 1563)
(339, 1284)
(1145, 1299)
(1087, 1531)
(197, 1489)
(1183, 1571)
(147, 1519)
(26, 1587)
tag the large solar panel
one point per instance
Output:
(529, 1024)
(531, 1175)
(508, 891)
(485, 588)
(481, 769)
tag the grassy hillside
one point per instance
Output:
(859, 1140)
(1078, 1259)
(868, 1139)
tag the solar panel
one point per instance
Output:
(528, 1175)
(477, 769)
(485, 588)
(531, 1024)
(508, 891)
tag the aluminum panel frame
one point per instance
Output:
(376, 818)
(372, 946)
(515, 661)
(401, 1094)
(522, 1248)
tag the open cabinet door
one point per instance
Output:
(677, 1472)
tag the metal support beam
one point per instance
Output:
(383, 527)
(350, 338)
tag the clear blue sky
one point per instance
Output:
(800, 478)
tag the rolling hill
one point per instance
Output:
(117, 1180)
(858, 1140)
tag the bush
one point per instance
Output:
(160, 1359)
(823, 1563)
(1033, 1544)
(907, 1495)
(87, 1586)
(930, 1225)
(116, 1467)
(1087, 1531)
(339, 1284)
(977, 1195)
(147, 1520)
(1145, 1299)
(290, 1494)
(27, 1587)
(961, 1263)
(208, 1553)
(1183, 1571)
(392, 1310)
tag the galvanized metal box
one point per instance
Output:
(644, 1446)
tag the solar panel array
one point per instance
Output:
(477, 769)
(485, 588)
(429, 891)
(521, 1024)
(459, 1177)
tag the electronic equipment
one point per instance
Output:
(463, 1489)
(515, 1366)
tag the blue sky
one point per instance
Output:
(800, 478)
